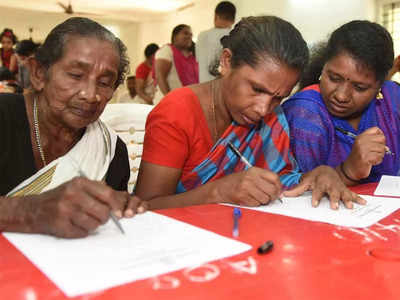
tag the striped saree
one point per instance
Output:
(265, 145)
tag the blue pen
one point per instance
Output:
(237, 213)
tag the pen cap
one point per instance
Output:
(237, 212)
(266, 247)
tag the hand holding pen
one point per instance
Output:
(369, 149)
(259, 186)
(131, 206)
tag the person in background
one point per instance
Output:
(8, 59)
(62, 170)
(23, 51)
(346, 115)
(145, 88)
(175, 65)
(186, 159)
(394, 70)
(129, 95)
(7, 82)
(208, 47)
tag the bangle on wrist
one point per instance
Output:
(345, 174)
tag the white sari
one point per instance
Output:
(91, 156)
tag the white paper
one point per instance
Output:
(388, 186)
(153, 244)
(360, 216)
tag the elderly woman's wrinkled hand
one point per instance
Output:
(322, 181)
(252, 187)
(77, 207)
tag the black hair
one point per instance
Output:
(257, 38)
(53, 47)
(226, 10)
(10, 34)
(367, 42)
(176, 30)
(150, 50)
(26, 47)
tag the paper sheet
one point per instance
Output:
(153, 244)
(360, 216)
(388, 186)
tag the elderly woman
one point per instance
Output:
(346, 115)
(186, 159)
(56, 154)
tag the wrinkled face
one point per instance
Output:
(252, 93)
(184, 38)
(78, 86)
(6, 43)
(347, 86)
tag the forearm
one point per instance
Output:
(164, 86)
(344, 176)
(145, 97)
(17, 214)
(204, 194)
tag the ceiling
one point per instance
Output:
(132, 10)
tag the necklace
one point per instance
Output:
(37, 131)
(213, 110)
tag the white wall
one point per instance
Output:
(20, 20)
(314, 18)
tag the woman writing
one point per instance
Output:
(52, 135)
(175, 64)
(186, 160)
(347, 115)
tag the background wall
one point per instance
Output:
(314, 18)
(20, 21)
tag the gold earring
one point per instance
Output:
(379, 96)
(319, 78)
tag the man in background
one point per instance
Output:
(144, 81)
(128, 96)
(208, 46)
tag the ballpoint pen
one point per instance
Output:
(353, 136)
(243, 159)
(237, 213)
(112, 216)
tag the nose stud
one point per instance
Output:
(98, 98)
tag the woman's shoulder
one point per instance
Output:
(309, 98)
(164, 52)
(179, 103)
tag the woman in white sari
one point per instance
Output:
(55, 153)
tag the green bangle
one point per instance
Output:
(345, 175)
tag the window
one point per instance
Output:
(390, 19)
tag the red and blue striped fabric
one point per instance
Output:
(265, 145)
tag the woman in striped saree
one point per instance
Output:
(186, 160)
